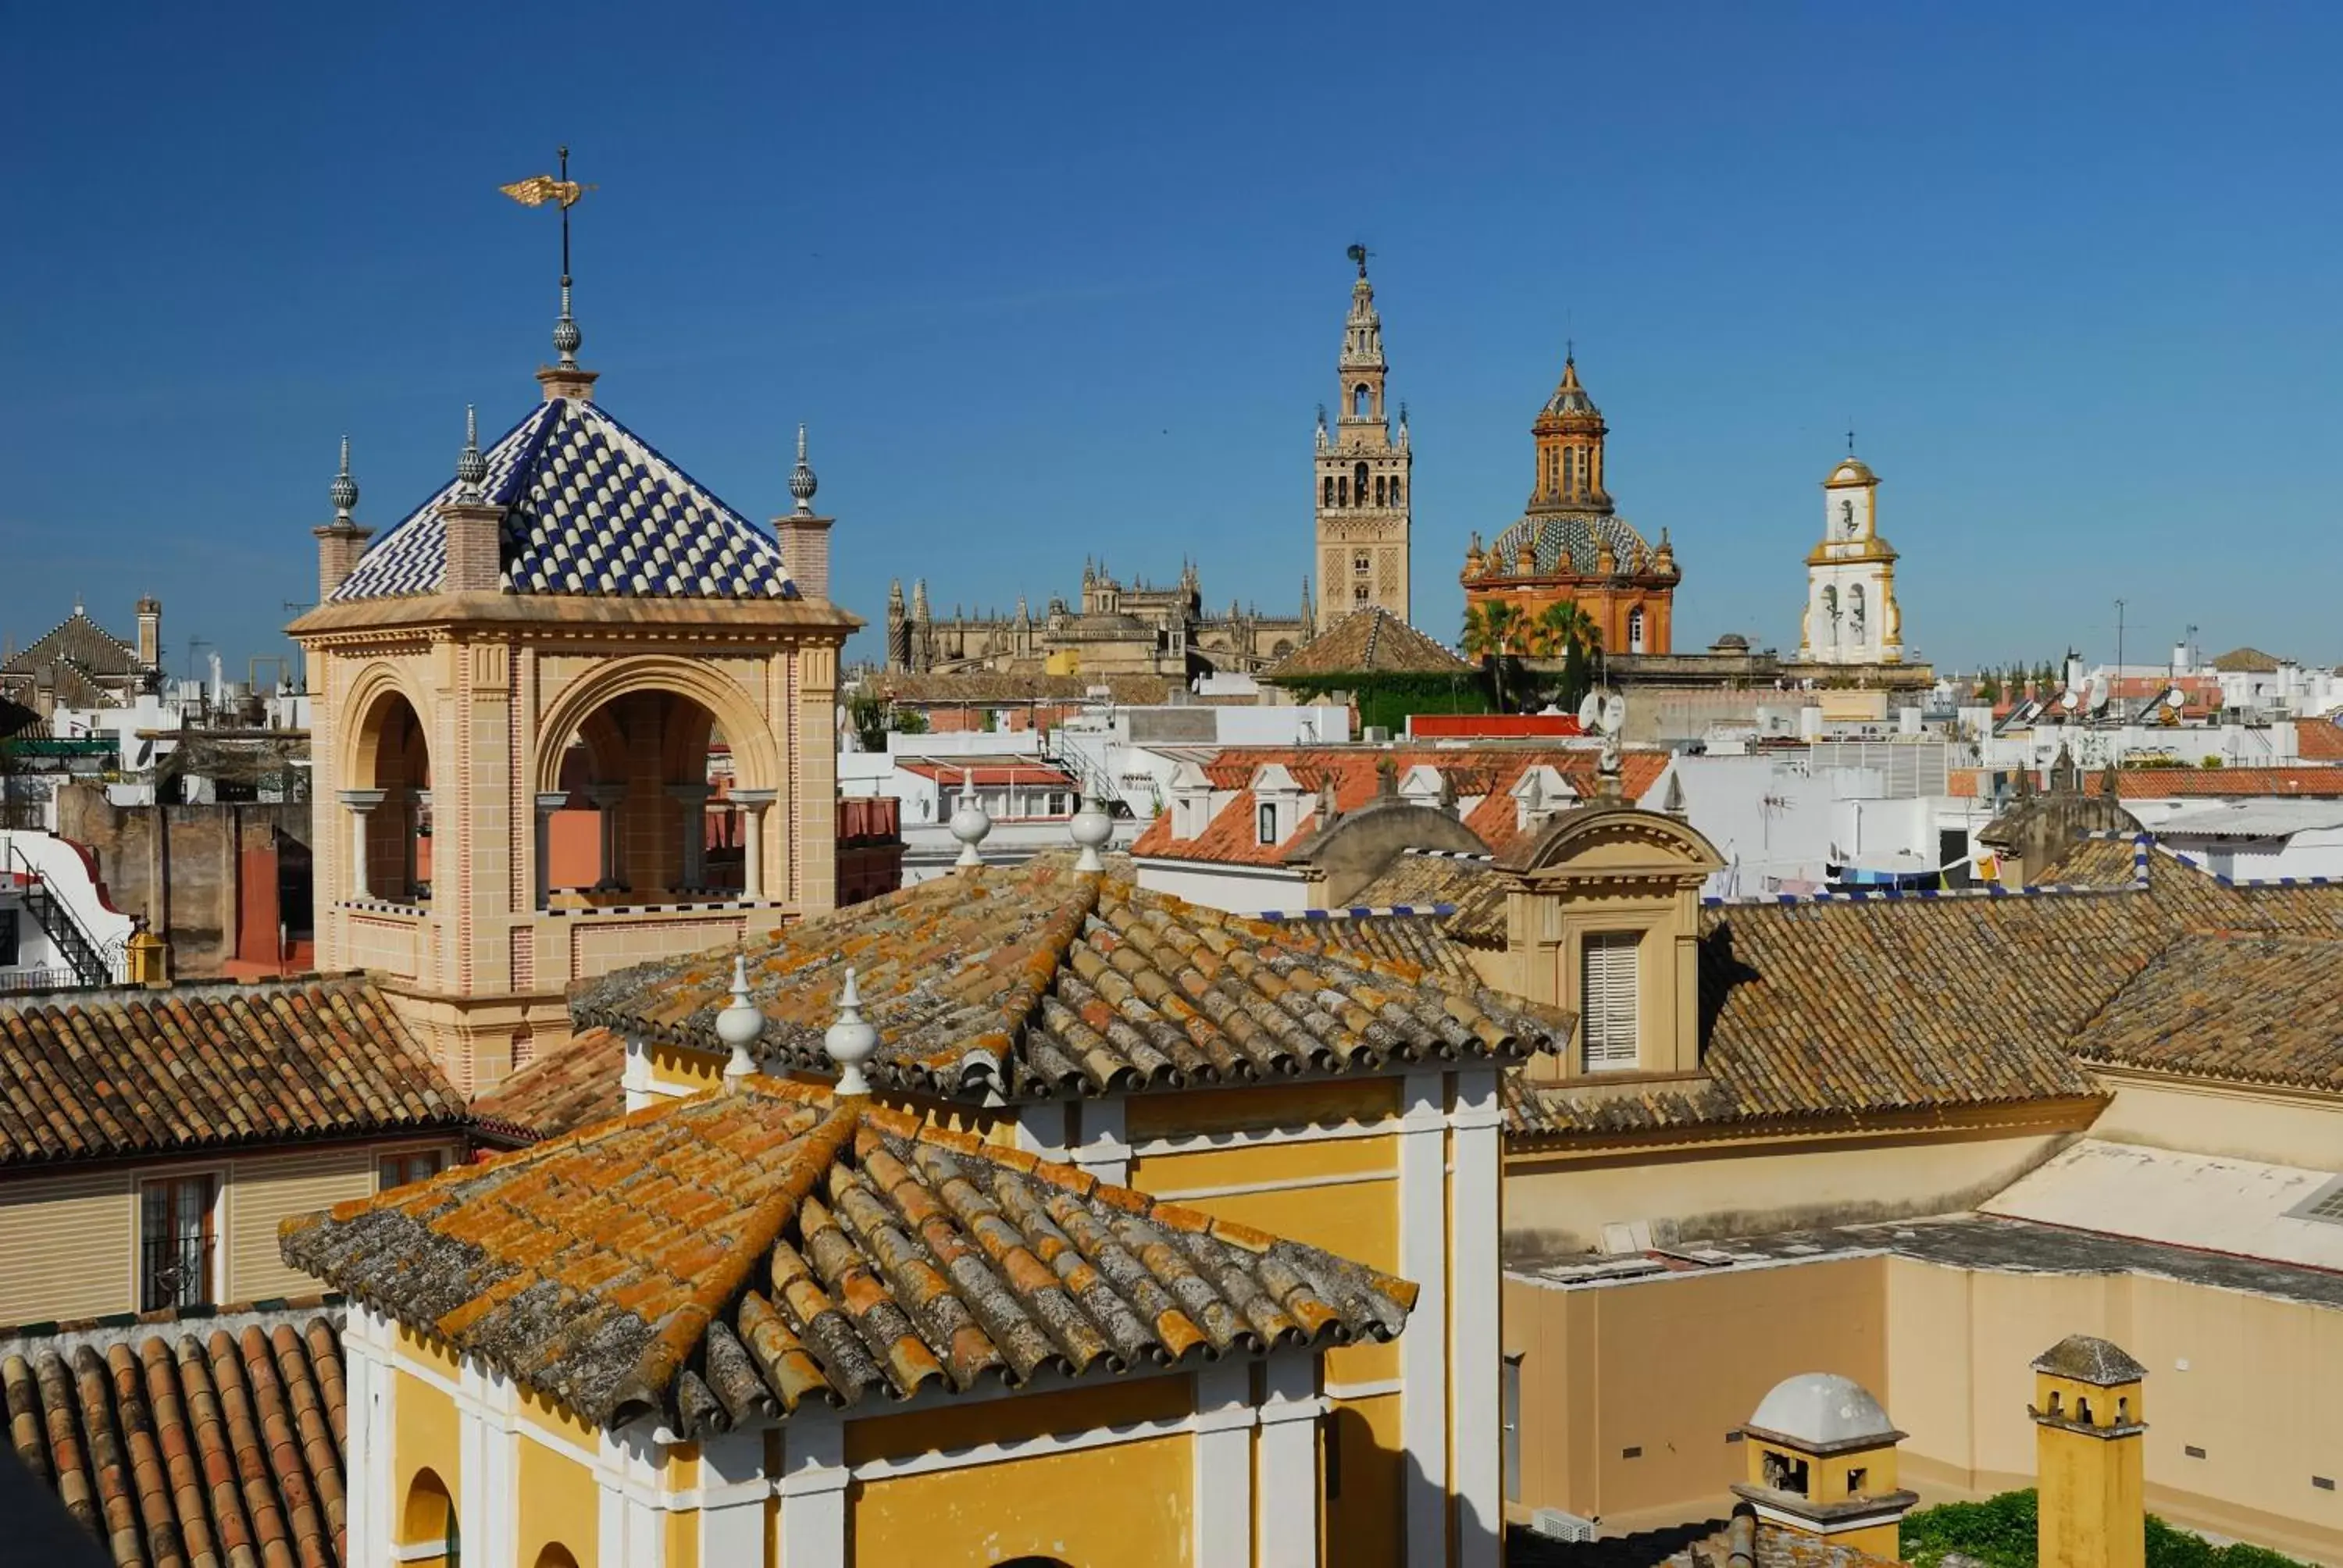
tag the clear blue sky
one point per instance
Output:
(1056, 280)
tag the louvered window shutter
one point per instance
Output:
(1606, 1018)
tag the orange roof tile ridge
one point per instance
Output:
(645, 1388)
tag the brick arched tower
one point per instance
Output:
(572, 712)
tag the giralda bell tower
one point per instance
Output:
(1363, 479)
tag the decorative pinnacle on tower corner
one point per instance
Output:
(801, 479)
(344, 492)
(471, 468)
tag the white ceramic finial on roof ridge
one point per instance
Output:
(1090, 829)
(969, 823)
(850, 1041)
(740, 1023)
(471, 468)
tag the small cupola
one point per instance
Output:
(1822, 1463)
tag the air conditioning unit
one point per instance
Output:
(1376, 735)
(1555, 1525)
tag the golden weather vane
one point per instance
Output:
(559, 188)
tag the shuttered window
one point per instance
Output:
(1607, 1000)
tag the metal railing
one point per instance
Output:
(55, 917)
(174, 1272)
(50, 979)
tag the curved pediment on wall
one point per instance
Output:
(1614, 841)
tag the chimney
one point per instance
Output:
(2087, 1414)
(1822, 1464)
(150, 632)
(804, 536)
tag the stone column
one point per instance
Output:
(360, 802)
(752, 803)
(607, 798)
(418, 802)
(547, 805)
(693, 799)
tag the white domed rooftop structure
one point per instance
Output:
(1852, 470)
(1820, 1411)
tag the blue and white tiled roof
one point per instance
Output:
(590, 508)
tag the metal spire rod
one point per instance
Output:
(564, 154)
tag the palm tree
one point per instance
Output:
(1494, 631)
(1565, 631)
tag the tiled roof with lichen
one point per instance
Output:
(1037, 981)
(1369, 641)
(725, 1259)
(572, 1087)
(216, 1440)
(109, 1074)
(1008, 687)
(1877, 1005)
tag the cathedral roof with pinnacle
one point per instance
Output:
(589, 508)
(1570, 396)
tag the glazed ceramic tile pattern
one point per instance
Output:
(590, 508)
(725, 1259)
(1037, 981)
(142, 1072)
(195, 1441)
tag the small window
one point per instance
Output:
(175, 1243)
(9, 947)
(401, 1170)
(1265, 823)
(1855, 1476)
(1359, 594)
(1635, 632)
(1785, 1474)
(1608, 976)
(1362, 562)
(1363, 400)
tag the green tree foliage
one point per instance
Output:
(2000, 1533)
(1496, 631)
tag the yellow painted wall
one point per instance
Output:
(1669, 1365)
(2244, 1124)
(561, 1503)
(57, 1234)
(1359, 1453)
(1313, 1103)
(1125, 1505)
(2091, 1502)
(424, 1435)
(1556, 1205)
(1671, 1368)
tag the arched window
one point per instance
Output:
(1379, 490)
(1362, 400)
(1341, 492)
(1359, 489)
(1635, 630)
(427, 1527)
(557, 1555)
(1329, 499)
(1395, 497)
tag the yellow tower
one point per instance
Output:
(1822, 1463)
(2088, 1423)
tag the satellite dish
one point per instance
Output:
(2173, 699)
(2066, 700)
(1614, 714)
(1590, 712)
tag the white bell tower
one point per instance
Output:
(1851, 617)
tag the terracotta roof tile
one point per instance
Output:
(559, 1092)
(1369, 641)
(1037, 981)
(1487, 772)
(1877, 1004)
(2165, 783)
(836, 1251)
(2319, 740)
(111, 1073)
(214, 1438)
